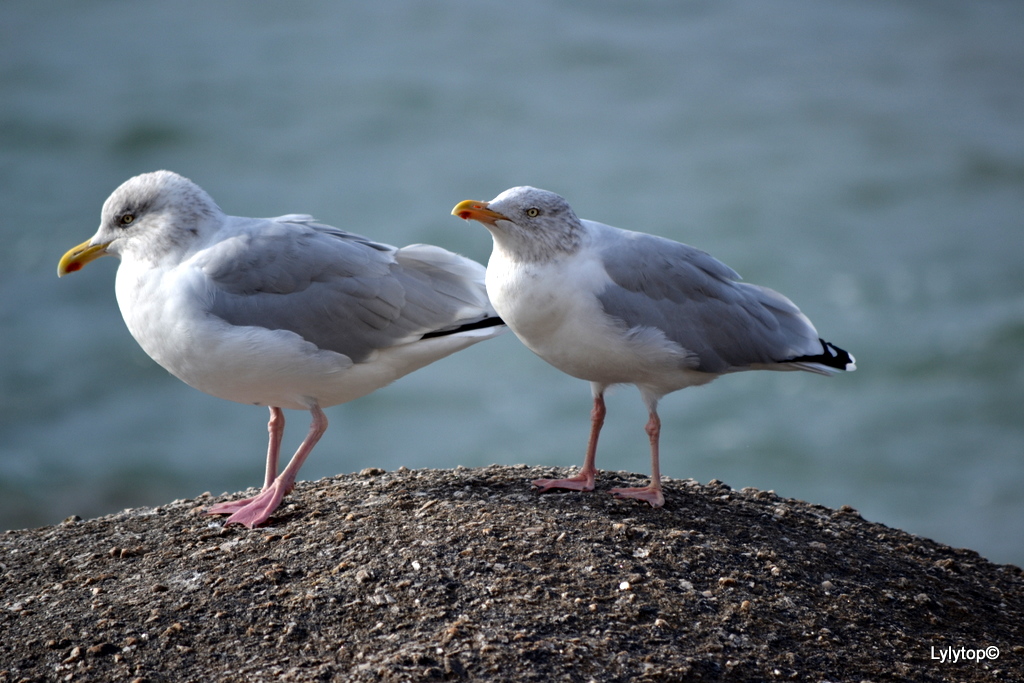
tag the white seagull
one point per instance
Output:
(279, 312)
(612, 306)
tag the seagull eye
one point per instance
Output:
(533, 213)
(127, 219)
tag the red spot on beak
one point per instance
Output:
(474, 210)
(467, 213)
(72, 267)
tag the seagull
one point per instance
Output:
(613, 306)
(279, 312)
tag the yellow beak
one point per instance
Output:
(79, 256)
(477, 211)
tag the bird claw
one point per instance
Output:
(250, 512)
(228, 508)
(647, 493)
(581, 482)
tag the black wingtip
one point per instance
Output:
(831, 357)
(494, 321)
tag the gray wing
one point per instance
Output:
(340, 291)
(697, 302)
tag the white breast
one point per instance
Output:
(553, 308)
(165, 310)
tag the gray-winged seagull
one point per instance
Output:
(613, 306)
(279, 312)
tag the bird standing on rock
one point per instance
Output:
(612, 306)
(279, 312)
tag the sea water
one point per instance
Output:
(865, 159)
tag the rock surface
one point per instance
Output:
(468, 575)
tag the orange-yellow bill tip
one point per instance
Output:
(78, 256)
(477, 211)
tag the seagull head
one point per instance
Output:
(149, 216)
(530, 223)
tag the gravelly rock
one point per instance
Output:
(468, 575)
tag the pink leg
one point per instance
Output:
(652, 492)
(276, 429)
(584, 481)
(259, 509)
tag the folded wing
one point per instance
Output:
(338, 290)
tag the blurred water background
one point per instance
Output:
(866, 159)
